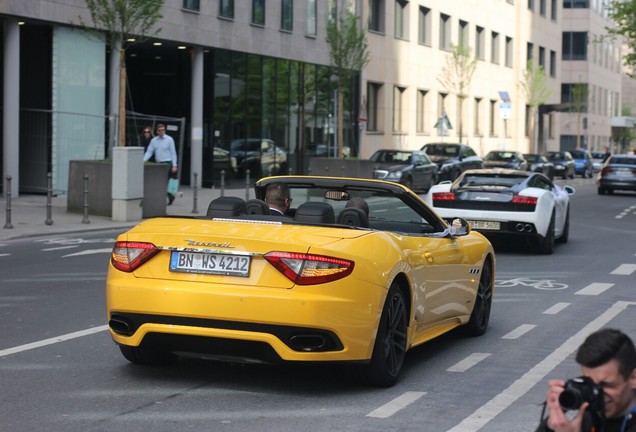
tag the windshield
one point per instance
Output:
(577, 154)
(441, 150)
(556, 156)
(397, 157)
(531, 158)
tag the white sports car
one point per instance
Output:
(507, 203)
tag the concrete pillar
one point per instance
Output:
(11, 104)
(196, 136)
(113, 97)
(128, 183)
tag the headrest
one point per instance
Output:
(315, 212)
(227, 207)
(256, 207)
(353, 216)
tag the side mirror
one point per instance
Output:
(459, 227)
(570, 190)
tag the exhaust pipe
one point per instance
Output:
(121, 326)
(528, 228)
(519, 227)
(308, 343)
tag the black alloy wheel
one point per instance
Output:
(480, 316)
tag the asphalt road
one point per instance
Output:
(59, 370)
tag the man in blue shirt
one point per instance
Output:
(163, 149)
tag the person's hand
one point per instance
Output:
(174, 169)
(557, 420)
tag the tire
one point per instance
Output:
(546, 245)
(390, 344)
(602, 190)
(480, 316)
(143, 356)
(565, 236)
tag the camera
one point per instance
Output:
(579, 390)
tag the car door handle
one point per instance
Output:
(428, 257)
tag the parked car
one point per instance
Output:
(598, 159)
(260, 155)
(583, 163)
(505, 159)
(315, 287)
(412, 168)
(222, 161)
(508, 203)
(618, 173)
(541, 164)
(563, 163)
(452, 159)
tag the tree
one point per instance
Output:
(348, 54)
(456, 75)
(535, 87)
(122, 22)
(579, 106)
(623, 13)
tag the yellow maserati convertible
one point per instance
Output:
(356, 271)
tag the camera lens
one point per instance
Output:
(571, 399)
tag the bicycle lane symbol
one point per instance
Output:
(542, 284)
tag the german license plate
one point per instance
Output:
(485, 225)
(209, 263)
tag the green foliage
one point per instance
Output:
(121, 20)
(458, 71)
(623, 13)
(348, 45)
(535, 85)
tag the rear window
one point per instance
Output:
(576, 154)
(622, 160)
(476, 180)
(441, 150)
(501, 156)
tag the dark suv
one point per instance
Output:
(452, 159)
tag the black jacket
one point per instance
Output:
(611, 425)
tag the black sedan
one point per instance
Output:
(539, 163)
(563, 163)
(452, 159)
(505, 159)
(618, 173)
(412, 168)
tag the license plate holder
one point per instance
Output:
(485, 225)
(210, 263)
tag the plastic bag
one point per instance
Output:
(173, 186)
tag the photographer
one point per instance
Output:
(607, 401)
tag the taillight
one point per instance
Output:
(527, 200)
(443, 196)
(128, 256)
(606, 170)
(308, 269)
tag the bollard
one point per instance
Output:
(85, 219)
(222, 182)
(194, 193)
(7, 194)
(49, 204)
(247, 184)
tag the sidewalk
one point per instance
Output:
(29, 213)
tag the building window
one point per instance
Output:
(492, 127)
(422, 98)
(542, 57)
(401, 19)
(444, 32)
(424, 30)
(462, 37)
(312, 25)
(373, 103)
(494, 47)
(574, 46)
(529, 52)
(258, 12)
(477, 118)
(576, 4)
(527, 120)
(287, 15)
(542, 8)
(191, 5)
(553, 65)
(376, 15)
(398, 108)
(226, 8)
(509, 51)
(480, 49)
(531, 5)
(441, 105)
(553, 10)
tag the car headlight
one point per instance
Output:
(394, 175)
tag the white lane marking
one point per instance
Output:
(53, 340)
(595, 288)
(519, 331)
(468, 362)
(390, 408)
(520, 387)
(556, 308)
(59, 248)
(1, 255)
(624, 269)
(89, 252)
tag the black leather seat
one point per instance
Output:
(227, 207)
(315, 212)
(256, 207)
(354, 217)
